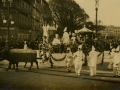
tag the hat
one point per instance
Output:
(80, 46)
(25, 42)
(56, 35)
(65, 29)
(73, 34)
(113, 50)
(93, 48)
(117, 49)
(68, 48)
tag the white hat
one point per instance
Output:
(80, 46)
(68, 48)
(76, 31)
(65, 29)
(93, 48)
(25, 42)
(117, 49)
(113, 50)
(56, 35)
(73, 34)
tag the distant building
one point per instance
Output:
(25, 15)
(111, 31)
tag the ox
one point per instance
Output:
(19, 55)
(4, 55)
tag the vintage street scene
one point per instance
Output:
(59, 45)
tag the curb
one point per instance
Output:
(100, 75)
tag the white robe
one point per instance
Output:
(110, 65)
(56, 41)
(93, 58)
(25, 46)
(116, 59)
(79, 56)
(65, 38)
(69, 59)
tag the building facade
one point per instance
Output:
(110, 31)
(25, 16)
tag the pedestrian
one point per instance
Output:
(116, 63)
(110, 65)
(92, 62)
(79, 59)
(69, 59)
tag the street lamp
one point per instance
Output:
(8, 3)
(96, 8)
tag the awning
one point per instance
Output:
(85, 30)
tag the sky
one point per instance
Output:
(108, 11)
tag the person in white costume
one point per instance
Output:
(25, 45)
(79, 59)
(69, 59)
(65, 37)
(116, 63)
(110, 65)
(56, 40)
(45, 33)
(92, 62)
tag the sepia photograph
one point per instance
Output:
(59, 45)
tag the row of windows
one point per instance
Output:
(27, 21)
(20, 19)
(28, 8)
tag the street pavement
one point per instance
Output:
(102, 72)
(103, 75)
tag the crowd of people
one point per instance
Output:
(59, 48)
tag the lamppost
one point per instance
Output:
(96, 8)
(8, 3)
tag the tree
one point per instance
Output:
(67, 13)
(90, 25)
(46, 13)
(100, 25)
